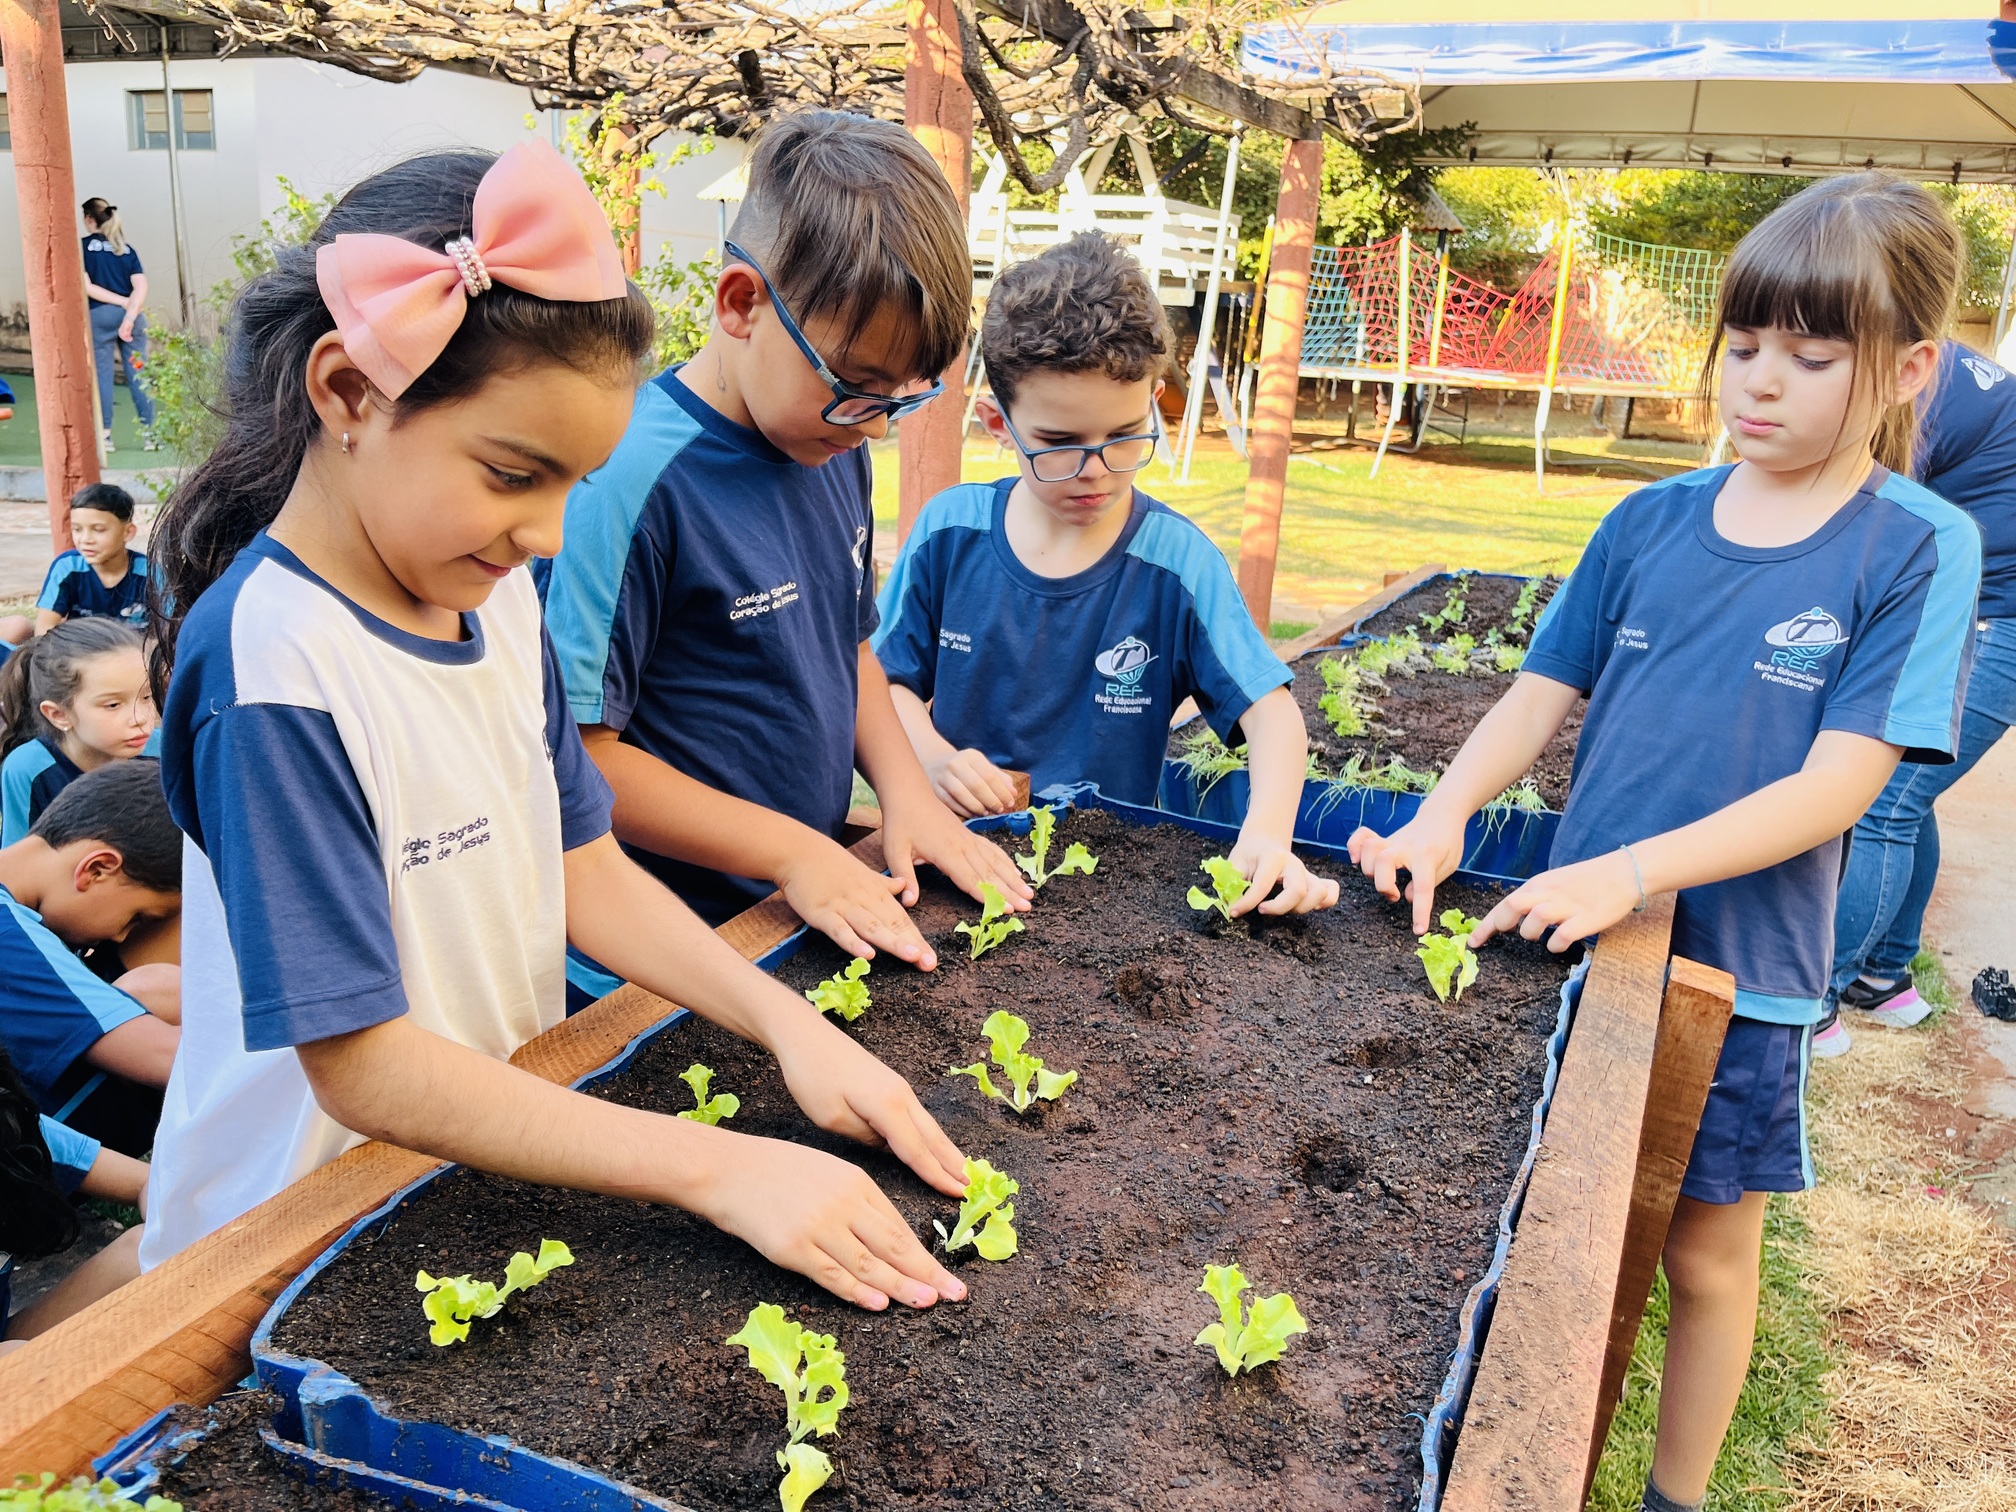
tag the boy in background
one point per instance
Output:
(104, 858)
(712, 604)
(101, 575)
(1054, 620)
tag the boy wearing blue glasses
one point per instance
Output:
(1054, 620)
(712, 604)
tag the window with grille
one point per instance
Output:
(147, 120)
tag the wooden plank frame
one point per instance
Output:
(1593, 1224)
(1575, 1280)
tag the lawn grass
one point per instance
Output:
(21, 444)
(1343, 530)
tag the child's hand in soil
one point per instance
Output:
(820, 1216)
(927, 831)
(970, 785)
(854, 907)
(1574, 901)
(1267, 860)
(1426, 848)
(845, 1090)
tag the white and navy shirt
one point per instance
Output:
(1712, 667)
(73, 589)
(375, 827)
(1071, 679)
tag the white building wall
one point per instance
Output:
(319, 127)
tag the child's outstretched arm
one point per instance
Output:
(1277, 759)
(803, 1209)
(1429, 847)
(916, 826)
(669, 813)
(1841, 777)
(965, 781)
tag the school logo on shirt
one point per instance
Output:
(1801, 645)
(764, 601)
(1986, 374)
(1123, 667)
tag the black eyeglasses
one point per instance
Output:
(851, 405)
(1060, 464)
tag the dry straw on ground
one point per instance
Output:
(1919, 1283)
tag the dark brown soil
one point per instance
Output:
(1486, 607)
(1423, 720)
(230, 1470)
(1289, 1095)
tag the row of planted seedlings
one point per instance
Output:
(1327, 1102)
(1387, 710)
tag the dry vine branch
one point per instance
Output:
(1041, 70)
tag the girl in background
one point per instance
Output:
(70, 701)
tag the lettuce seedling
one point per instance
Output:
(1206, 759)
(79, 1495)
(843, 993)
(1397, 653)
(1448, 957)
(1077, 859)
(1453, 607)
(1257, 1337)
(1227, 887)
(995, 925)
(1006, 1035)
(452, 1301)
(813, 1394)
(986, 1203)
(1342, 704)
(1508, 658)
(708, 1110)
(1455, 655)
(1529, 598)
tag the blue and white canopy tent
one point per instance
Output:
(1923, 87)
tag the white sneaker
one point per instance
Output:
(1831, 1039)
(1897, 1005)
(108, 442)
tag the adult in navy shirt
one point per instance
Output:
(117, 286)
(1968, 458)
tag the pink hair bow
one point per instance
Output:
(534, 226)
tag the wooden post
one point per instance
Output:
(1280, 374)
(59, 324)
(938, 109)
(1403, 342)
(1692, 1023)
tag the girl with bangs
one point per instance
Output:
(1761, 644)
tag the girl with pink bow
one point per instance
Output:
(393, 831)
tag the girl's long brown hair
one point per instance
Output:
(1866, 258)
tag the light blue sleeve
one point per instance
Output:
(72, 1154)
(53, 598)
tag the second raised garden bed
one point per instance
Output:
(1289, 1096)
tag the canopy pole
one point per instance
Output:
(1273, 429)
(1554, 326)
(175, 213)
(1400, 372)
(1200, 360)
(2002, 307)
(938, 108)
(59, 325)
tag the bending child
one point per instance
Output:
(1053, 621)
(393, 829)
(712, 608)
(1760, 645)
(71, 700)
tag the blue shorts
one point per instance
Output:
(1753, 1131)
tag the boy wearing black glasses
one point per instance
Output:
(711, 607)
(1053, 621)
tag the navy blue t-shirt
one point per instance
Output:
(1711, 668)
(32, 775)
(709, 604)
(52, 1009)
(73, 589)
(1070, 679)
(1969, 458)
(112, 271)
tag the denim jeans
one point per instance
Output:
(105, 322)
(1893, 859)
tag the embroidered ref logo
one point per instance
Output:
(1801, 645)
(1986, 374)
(1123, 667)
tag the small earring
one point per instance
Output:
(346, 442)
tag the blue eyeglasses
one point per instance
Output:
(1060, 464)
(851, 405)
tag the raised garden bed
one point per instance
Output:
(1489, 599)
(1373, 1193)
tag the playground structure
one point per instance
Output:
(1597, 315)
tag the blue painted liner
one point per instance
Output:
(327, 1420)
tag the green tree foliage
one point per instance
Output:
(1683, 208)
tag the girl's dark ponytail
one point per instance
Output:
(274, 324)
(50, 668)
